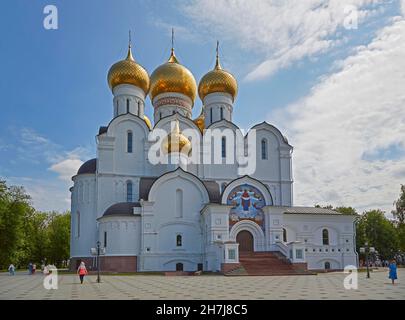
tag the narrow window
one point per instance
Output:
(325, 237)
(284, 235)
(139, 108)
(127, 105)
(129, 191)
(211, 115)
(105, 239)
(327, 265)
(129, 142)
(160, 115)
(179, 203)
(78, 223)
(222, 113)
(116, 108)
(179, 240)
(264, 149)
(223, 147)
(179, 267)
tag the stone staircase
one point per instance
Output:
(264, 264)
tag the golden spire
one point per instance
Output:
(217, 63)
(128, 71)
(175, 141)
(173, 58)
(129, 54)
(217, 80)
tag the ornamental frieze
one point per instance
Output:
(172, 101)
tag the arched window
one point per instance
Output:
(325, 237)
(179, 267)
(179, 203)
(284, 235)
(327, 265)
(127, 105)
(223, 147)
(179, 240)
(78, 224)
(129, 141)
(129, 191)
(264, 149)
(222, 113)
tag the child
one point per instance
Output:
(82, 271)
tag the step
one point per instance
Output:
(264, 264)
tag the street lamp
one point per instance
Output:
(366, 249)
(98, 261)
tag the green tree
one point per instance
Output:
(14, 207)
(59, 238)
(399, 212)
(347, 211)
(373, 227)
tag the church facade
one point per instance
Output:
(181, 195)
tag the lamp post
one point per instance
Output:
(98, 261)
(368, 269)
(366, 249)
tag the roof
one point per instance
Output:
(102, 130)
(145, 184)
(88, 167)
(309, 210)
(121, 209)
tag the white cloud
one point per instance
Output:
(356, 112)
(281, 31)
(66, 168)
(49, 193)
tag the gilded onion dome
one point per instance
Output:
(173, 77)
(175, 141)
(200, 120)
(218, 80)
(128, 71)
(147, 121)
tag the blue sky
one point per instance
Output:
(290, 59)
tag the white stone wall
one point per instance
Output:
(165, 216)
(83, 215)
(308, 230)
(122, 235)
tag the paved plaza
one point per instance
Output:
(322, 286)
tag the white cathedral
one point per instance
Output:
(194, 212)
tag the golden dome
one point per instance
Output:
(128, 72)
(175, 141)
(218, 80)
(200, 120)
(147, 120)
(172, 77)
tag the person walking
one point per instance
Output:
(30, 268)
(11, 270)
(34, 268)
(82, 271)
(393, 271)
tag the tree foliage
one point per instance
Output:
(27, 235)
(399, 212)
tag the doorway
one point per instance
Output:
(245, 240)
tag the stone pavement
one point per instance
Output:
(322, 286)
